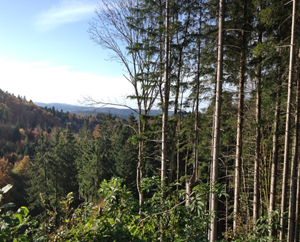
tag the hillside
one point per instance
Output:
(23, 128)
(22, 122)
(83, 110)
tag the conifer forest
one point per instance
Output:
(219, 163)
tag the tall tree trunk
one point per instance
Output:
(178, 146)
(275, 150)
(287, 128)
(240, 119)
(139, 170)
(226, 191)
(297, 215)
(175, 138)
(256, 197)
(293, 182)
(217, 114)
(165, 102)
(187, 180)
(177, 157)
(195, 163)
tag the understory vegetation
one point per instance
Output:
(118, 217)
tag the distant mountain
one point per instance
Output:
(82, 110)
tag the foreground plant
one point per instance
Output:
(14, 226)
(117, 217)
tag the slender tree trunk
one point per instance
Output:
(178, 158)
(175, 138)
(216, 138)
(195, 166)
(237, 177)
(296, 238)
(139, 174)
(240, 119)
(226, 190)
(287, 128)
(275, 151)
(256, 198)
(187, 180)
(293, 182)
(165, 102)
(178, 146)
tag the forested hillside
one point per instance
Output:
(226, 172)
(22, 125)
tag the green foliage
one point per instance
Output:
(118, 217)
(260, 232)
(14, 226)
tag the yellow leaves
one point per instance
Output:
(5, 169)
(22, 167)
(22, 131)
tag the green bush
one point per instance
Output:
(117, 217)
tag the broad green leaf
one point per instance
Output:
(8, 205)
(23, 211)
(18, 216)
(6, 188)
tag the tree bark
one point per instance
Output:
(296, 238)
(287, 128)
(165, 102)
(275, 151)
(256, 198)
(240, 119)
(217, 114)
(139, 173)
(195, 166)
(187, 180)
(293, 182)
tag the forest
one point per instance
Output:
(222, 166)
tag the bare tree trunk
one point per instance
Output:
(256, 198)
(296, 238)
(178, 146)
(293, 182)
(139, 174)
(165, 102)
(287, 128)
(175, 138)
(187, 180)
(227, 199)
(240, 119)
(237, 176)
(195, 165)
(178, 159)
(216, 138)
(275, 151)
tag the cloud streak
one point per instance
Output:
(67, 11)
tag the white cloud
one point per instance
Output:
(44, 82)
(66, 11)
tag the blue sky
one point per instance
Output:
(46, 53)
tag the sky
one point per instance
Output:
(47, 56)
